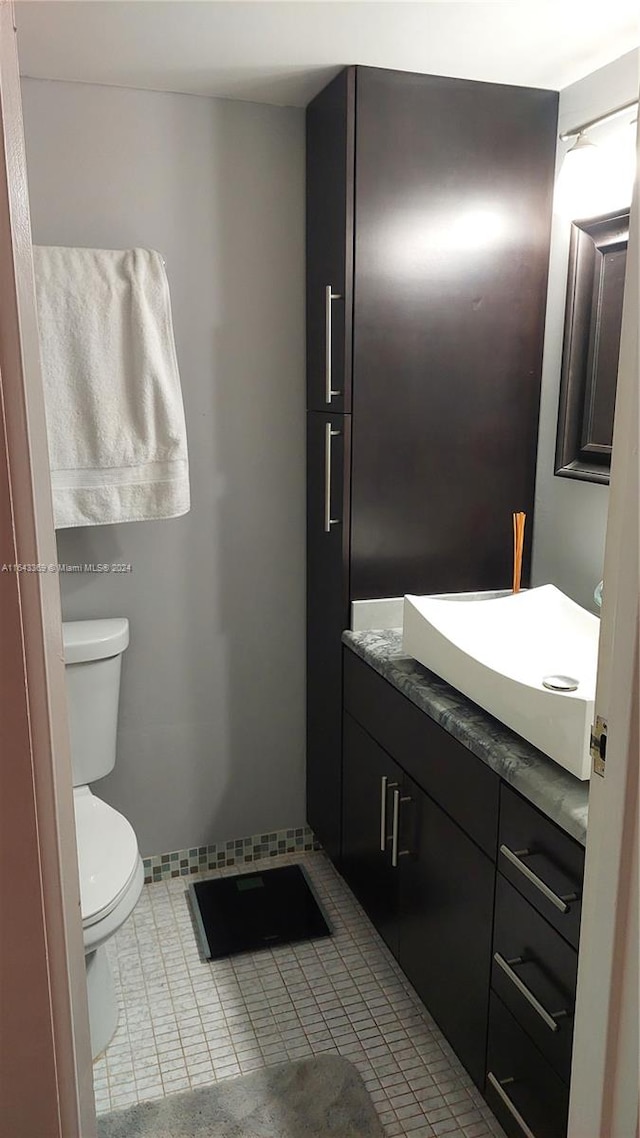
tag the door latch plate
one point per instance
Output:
(598, 745)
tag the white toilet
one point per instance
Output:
(111, 870)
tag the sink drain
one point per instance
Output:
(560, 683)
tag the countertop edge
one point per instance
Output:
(555, 792)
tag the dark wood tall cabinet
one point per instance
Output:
(428, 218)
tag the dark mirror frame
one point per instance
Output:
(593, 318)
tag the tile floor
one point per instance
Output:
(186, 1022)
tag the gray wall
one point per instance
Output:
(211, 742)
(571, 516)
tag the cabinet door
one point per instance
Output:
(330, 159)
(446, 912)
(370, 778)
(453, 212)
(327, 615)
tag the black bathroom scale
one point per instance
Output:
(256, 910)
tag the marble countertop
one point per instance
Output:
(548, 786)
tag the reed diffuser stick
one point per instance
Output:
(518, 547)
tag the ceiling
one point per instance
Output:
(284, 52)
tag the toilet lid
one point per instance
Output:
(107, 855)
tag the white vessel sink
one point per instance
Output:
(498, 652)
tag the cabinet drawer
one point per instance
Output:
(524, 1092)
(454, 777)
(534, 972)
(542, 862)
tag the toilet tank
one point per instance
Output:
(92, 656)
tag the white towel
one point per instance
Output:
(115, 419)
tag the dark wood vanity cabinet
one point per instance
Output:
(476, 893)
(428, 219)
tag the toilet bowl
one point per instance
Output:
(111, 879)
(109, 864)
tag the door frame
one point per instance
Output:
(45, 1021)
(604, 1077)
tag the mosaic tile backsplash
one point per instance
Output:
(241, 851)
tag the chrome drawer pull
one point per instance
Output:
(548, 1017)
(516, 860)
(498, 1086)
(329, 295)
(329, 434)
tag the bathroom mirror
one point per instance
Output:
(593, 318)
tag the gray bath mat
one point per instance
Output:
(323, 1097)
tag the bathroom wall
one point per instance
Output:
(211, 740)
(571, 516)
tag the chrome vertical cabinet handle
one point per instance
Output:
(384, 785)
(329, 297)
(395, 827)
(329, 434)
